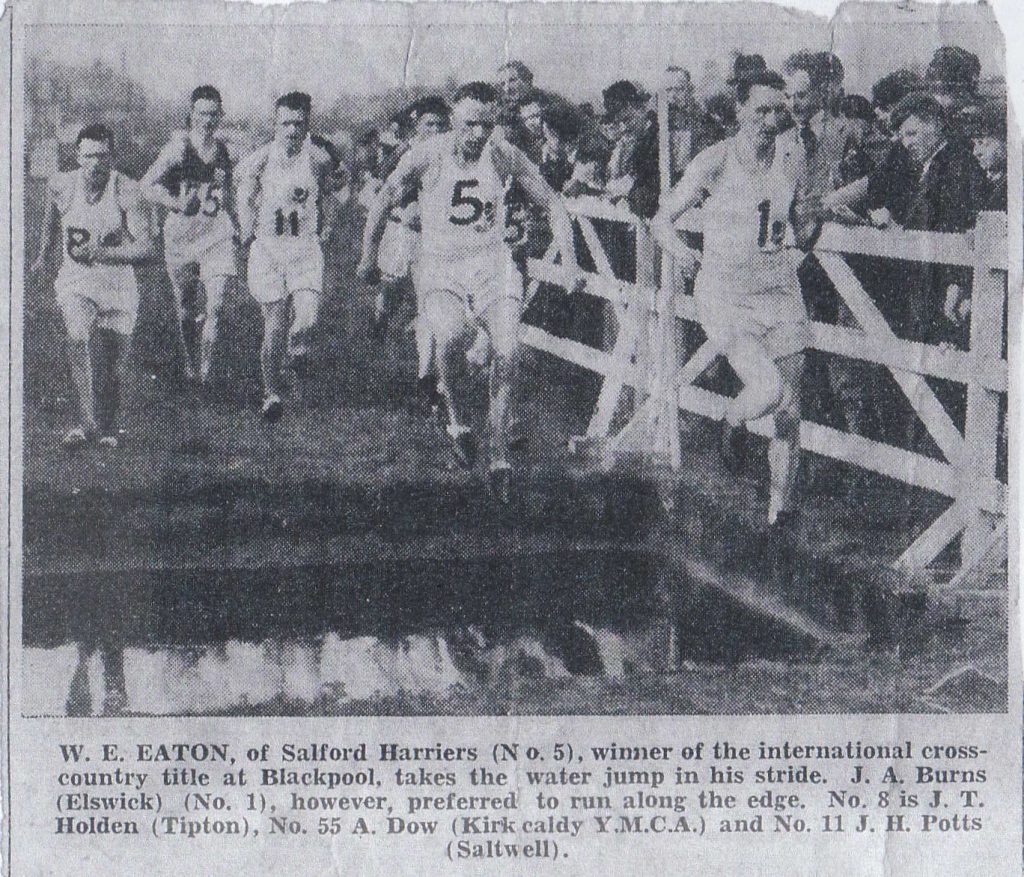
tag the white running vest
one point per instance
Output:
(81, 223)
(746, 221)
(289, 197)
(462, 206)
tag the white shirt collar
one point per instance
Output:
(931, 158)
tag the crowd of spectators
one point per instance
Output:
(867, 146)
(923, 150)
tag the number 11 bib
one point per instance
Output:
(289, 198)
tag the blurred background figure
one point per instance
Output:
(691, 130)
(530, 112)
(953, 76)
(890, 90)
(866, 138)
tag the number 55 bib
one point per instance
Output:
(206, 223)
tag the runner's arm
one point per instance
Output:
(851, 195)
(49, 229)
(330, 207)
(688, 193)
(230, 203)
(247, 186)
(405, 176)
(529, 176)
(153, 189)
(139, 244)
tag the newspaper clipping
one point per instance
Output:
(532, 438)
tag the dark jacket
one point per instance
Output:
(643, 197)
(945, 198)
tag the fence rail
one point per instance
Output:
(644, 358)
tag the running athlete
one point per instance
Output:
(754, 205)
(464, 272)
(104, 229)
(285, 212)
(398, 249)
(191, 178)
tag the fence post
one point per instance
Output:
(664, 143)
(981, 431)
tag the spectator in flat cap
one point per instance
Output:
(953, 77)
(942, 190)
(890, 90)
(954, 70)
(867, 138)
(564, 163)
(743, 66)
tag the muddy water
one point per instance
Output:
(424, 635)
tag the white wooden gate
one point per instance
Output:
(644, 357)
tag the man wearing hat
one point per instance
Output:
(943, 190)
(640, 185)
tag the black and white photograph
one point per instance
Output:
(560, 369)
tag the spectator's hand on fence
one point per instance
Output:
(880, 218)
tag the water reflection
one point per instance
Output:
(297, 675)
(403, 636)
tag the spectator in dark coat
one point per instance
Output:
(989, 144)
(690, 128)
(862, 123)
(625, 103)
(933, 184)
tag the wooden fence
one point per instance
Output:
(644, 357)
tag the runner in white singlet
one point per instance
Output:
(399, 249)
(191, 179)
(285, 210)
(753, 209)
(104, 229)
(464, 274)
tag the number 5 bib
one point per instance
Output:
(461, 206)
